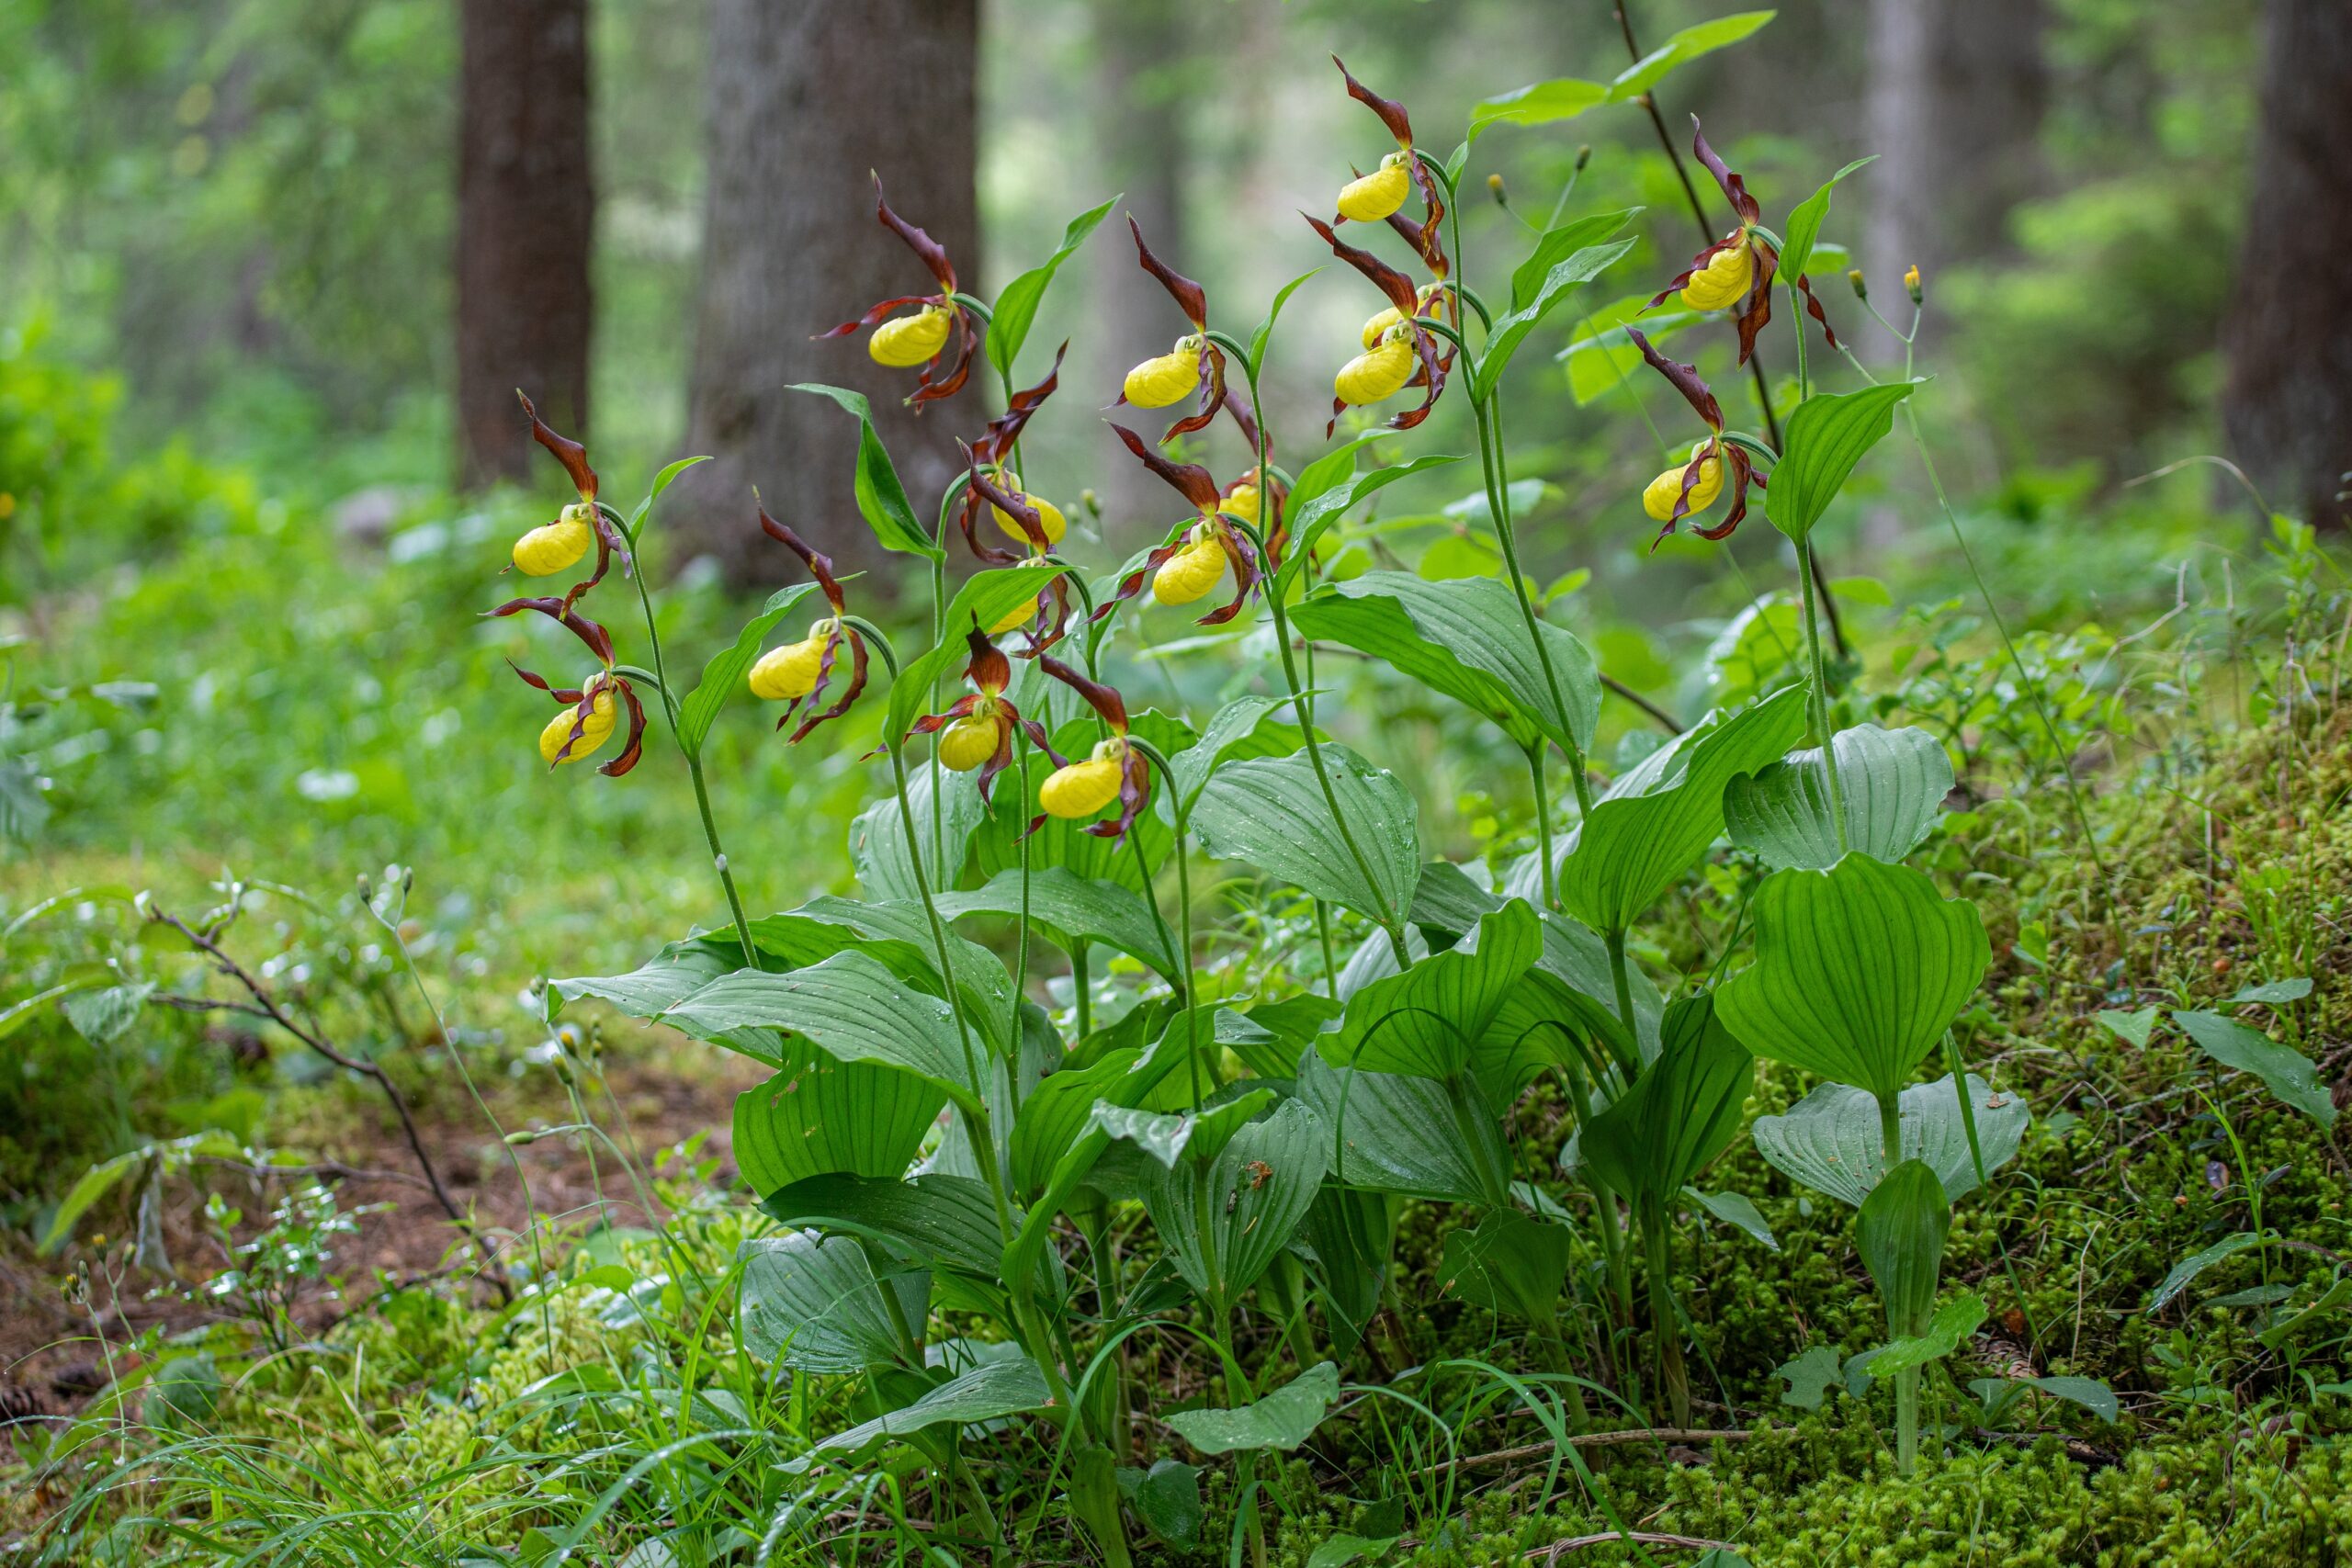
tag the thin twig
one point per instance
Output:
(1560, 1549)
(267, 1004)
(1503, 1459)
(1666, 720)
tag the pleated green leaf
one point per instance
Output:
(990, 1392)
(1467, 640)
(940, 1222)
(1428, 1020)
(1069, 908)
(848, 1007)
(1900, 1233)
(1827, 437)
(813, 1303)
(1894, 782)
(818, 1115)
(1396, 1133)
(881, 499)
(1859, 971)
(2290, 1077)
(1658, 817)
(1270, 812)
(1681, 1114)
(1224, 1218)
(1282, 1419)
(1511, 1265)
(1831, 1140)
(1016, 304)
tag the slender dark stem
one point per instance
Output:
(694, 772)
(1755, 363)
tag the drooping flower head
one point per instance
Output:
(1738, 266)
(1690, 489)
(1043, 619)
(555, 546)
(1167, 378)
(977, 731)
(904, 342)
(1398, 351)
(1381, 194)
(1191, 561)
(803, 669)
(592, 711)
(1043, 526)
(1116, 770)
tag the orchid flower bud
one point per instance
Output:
(1378, 373)
(603, 713)
(970, 741)
(1658, 498)
(1191, 571)
(552, 547)
(905, 341)
(1723, 280)
(790, 673)
(1169, 378)
(1374, 196)
(1082, 789)
(1049, 516)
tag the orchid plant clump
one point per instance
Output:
(1226, 1158)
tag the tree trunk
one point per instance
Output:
(527, 210)
(806, 97)
(1141, 77)
(1956, 93)
(2286, 403)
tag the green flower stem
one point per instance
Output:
(1182, 854)
(1021, 947)
(1657, 1243)
(1543, 823)
(693, 770)
(1390, 920)
(1821, 693)
(1082, 982)
(1323, 934)
(1906, 1382)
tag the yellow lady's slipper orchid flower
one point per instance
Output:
(970, 741)
(1242, 502)
(1169, 378)
(1379, 373)
(1659, 496)
(1049, 516)
(1082, 789)
(1723, 280)
(598, 729)
(552, 547)
(1015, 619)
(1191, 571)
(788, 673)
(1378, 327)
(1374, 196)
(904, 342)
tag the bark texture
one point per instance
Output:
(1141, 76)
(2286, 403)
(1957, 90)
(806, 97)
(527, 213)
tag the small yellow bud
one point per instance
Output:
(966, 743)
(552, 547)
(1662, 492)
(1190, 572)
(789, 673)
(1376, 195)
(1084, 788)
(1494, 189)
(1049, 516)
(1379, 373)
(1857, 283)
(904, 342)
(1911, 285)
(1722, 281)
(1169, 378)
(594, 732)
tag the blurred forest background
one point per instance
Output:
(271, 269)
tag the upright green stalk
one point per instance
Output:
(694, 770)
(1821, 693)
(1906, 1382)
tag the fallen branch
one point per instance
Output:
(1503, 1459)
(1560, 1549)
